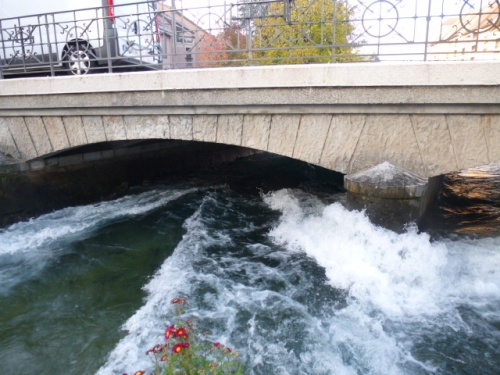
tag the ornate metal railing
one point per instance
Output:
(80, 41)
(174, 34)
(251, 32)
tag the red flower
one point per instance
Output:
(227, 350)
(217, 344)
(140, 372)
(156, 349)
(179, 300)
(180, 347)
(164, 358)
(181, 332)
(169, 331)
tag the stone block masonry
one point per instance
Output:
(427, 145)
(422, 117)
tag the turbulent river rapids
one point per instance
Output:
(282, 271)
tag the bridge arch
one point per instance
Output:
(417, 117)
(339, 142)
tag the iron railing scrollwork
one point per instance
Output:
(173, 35)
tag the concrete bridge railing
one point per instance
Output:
(429, 118)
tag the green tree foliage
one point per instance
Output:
(312, 31)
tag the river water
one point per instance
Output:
(272, 261)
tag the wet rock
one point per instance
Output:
(386, 181)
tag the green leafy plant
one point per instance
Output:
(186, 351)
(317, 31)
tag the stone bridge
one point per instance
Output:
(429, 118)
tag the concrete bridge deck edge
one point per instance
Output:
(282, 76)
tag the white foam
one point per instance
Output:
(474, 276)
(397, 284)
(399, 280)
(29, 235)
(145, 327)
(25, 247)
(223, 300)
(398, 274)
